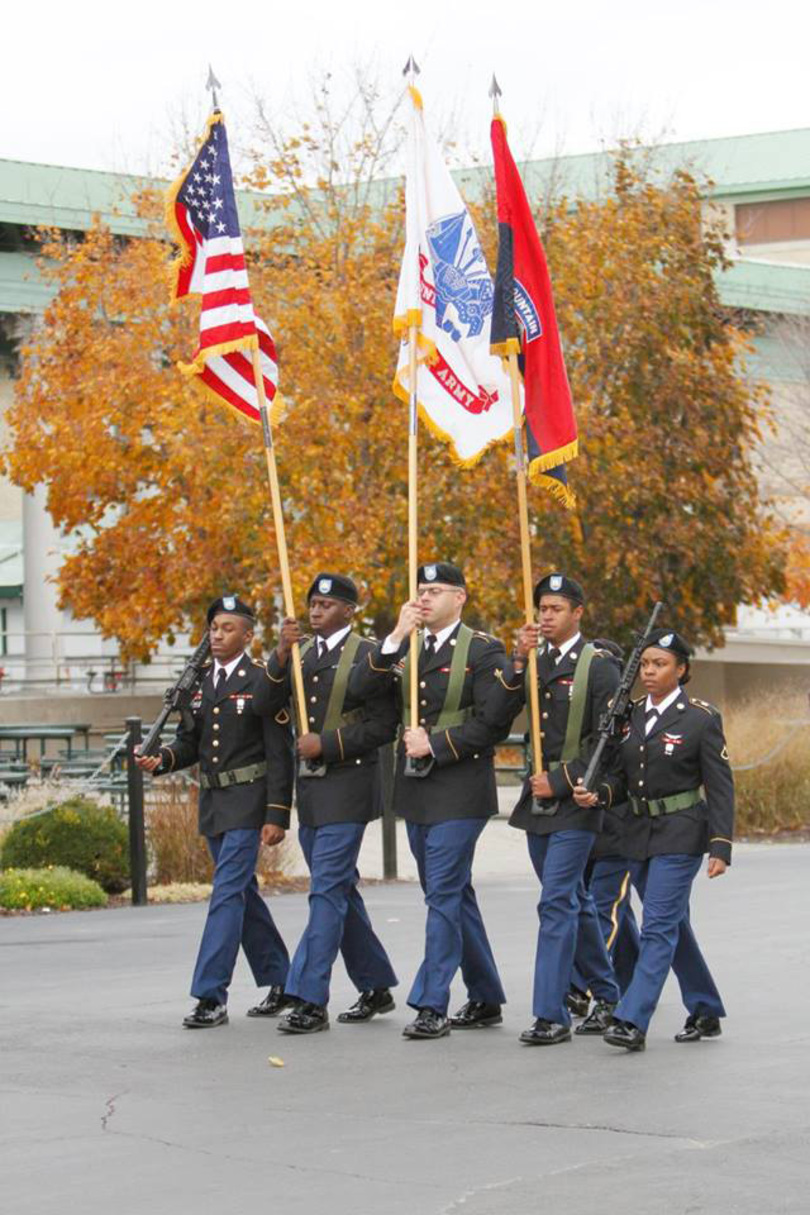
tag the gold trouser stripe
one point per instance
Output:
(614, 911)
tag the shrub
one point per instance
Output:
(774, 795)
(78, 834)
(29, 889)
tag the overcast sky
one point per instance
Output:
(102, 85)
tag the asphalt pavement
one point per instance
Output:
(107, 1105)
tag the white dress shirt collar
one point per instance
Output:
(665, 703)
(565, 646)
(334, 638)
(443, 634)
(228, 667)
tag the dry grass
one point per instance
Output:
(178, 853)
(774, 796)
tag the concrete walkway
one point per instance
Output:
(107, 1105)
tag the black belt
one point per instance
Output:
(236, 776)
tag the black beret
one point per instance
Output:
(610, 647)
(333, 586)
(558, 584)
(666, 639)
(233, 605)
(441, 571)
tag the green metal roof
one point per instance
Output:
(21, 285)
(766, 287)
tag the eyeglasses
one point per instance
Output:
(433, 592)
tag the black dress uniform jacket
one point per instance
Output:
(507, 698)
(461, 783)
(685, 750)
(236, 727)
(351, 790)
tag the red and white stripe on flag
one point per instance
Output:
(202, 215)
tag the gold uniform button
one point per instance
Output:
(215, 760)
(642, 765)
(313, 700)
(421, 721)
(641, 784)
(216, 710)
(545, 715)
(358, 761)
(641, 748)
(548, 696)
(423, 684)
(312, 720)
(314, 678)
(475, 756)
(216, 742)
(216, 725)
(423, 703)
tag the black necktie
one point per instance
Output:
(430, 647)
(553, 655)
(652, 718)
(219, 679)
(321, 644)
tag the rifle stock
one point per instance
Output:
(178, 697)
(619, 708)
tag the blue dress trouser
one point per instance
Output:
(568, 922)
(610, 887)
(455, 935)
(667, 942)
(237, 915)
(338, 920)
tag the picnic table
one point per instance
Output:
(43, 734)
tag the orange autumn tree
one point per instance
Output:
(169, 490)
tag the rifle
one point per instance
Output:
(612, 721)
(177, 699)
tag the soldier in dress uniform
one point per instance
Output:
(673, 765)
(243, 745)
(576, 682)
(338, 792)
(608, 878)
(451, 794)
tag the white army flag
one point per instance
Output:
(445, 291)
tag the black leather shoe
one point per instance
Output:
(273, 1003)
(475, 1014)
(428, 1024)
(206, 1015)
(546, 1033)
(622, 1033)
(598, 1019)
(369, 1004)
(578, 1002)
(699, 1026)
(304, 1019)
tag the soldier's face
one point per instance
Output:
(441, 604)
(327, 616)
(559, 618)
(230, 635)
(661, 672)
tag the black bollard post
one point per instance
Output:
(137, 830)
(389, 823)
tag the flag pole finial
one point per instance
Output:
(495, 93)
(411, 69)
(213, 84)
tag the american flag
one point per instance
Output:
(201, 213)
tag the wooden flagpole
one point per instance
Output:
(281, 540)
(413, 531)
(526, 562)
(523, 518)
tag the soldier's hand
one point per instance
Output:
(417, 743)
(410, 618)
(309, 746)
(583, 798)
(528, 640)
(290, 633)
(149, 763)
(716, 867)
(272, 835)
(540, 785)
